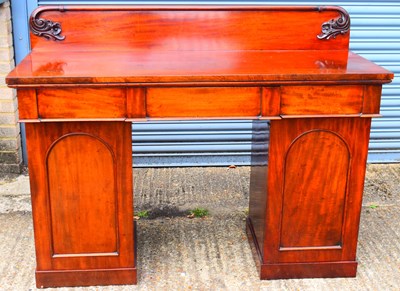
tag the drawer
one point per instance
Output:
(321, 100)
(203, 102)
(82, 103)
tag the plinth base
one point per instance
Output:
(297, 270)
(74, 278)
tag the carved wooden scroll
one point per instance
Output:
(45, 28)
(336, 26)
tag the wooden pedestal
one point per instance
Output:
(81, 185)
(305, 201)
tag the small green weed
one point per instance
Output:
(143, 214)
(198, 212)
(373, 206)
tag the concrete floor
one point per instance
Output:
(177, 253)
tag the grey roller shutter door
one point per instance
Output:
(375, 34)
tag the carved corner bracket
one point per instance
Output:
(45, 28)
(336, 26)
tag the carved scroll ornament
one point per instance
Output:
(45, 28)
(336, 26)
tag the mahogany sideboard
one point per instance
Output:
(95, 69)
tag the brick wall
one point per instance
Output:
(10, 137)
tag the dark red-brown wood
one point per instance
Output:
(93, 69)
(183, 68)
(186, 28)
(27, 104)
(68, 103)
(315, 180)
(203, 102)
(325, 100)
(81, 187)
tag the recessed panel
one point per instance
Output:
(203, 102)
(322, 100)
(82, 195)
(82, 103)
(314, 193)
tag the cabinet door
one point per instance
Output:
(82, 199)
(315, 177)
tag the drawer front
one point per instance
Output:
(324, 100)
(82, 103)
(203, 102)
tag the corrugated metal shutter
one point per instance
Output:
(375, 34)
(206, 143)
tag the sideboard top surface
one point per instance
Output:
(191, 44)
(191, 67)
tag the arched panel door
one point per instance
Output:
(77, 199)
(315, 175)
(82, 200)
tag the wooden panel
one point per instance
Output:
(309, 270)
(271, 101)
(27, 104)
(258, 181)
(90, 174)
(203, 102)
(187, 28)
(316, 171)
(83, 193)
(257, 201)
(76, 102)
(136, 102)
(78, 278)
(309, 100)
(372, 99)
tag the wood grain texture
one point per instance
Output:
(67, 203)
(314, 190)
(301, 240)
(372, 99)
(203, 102)
(258, 181)
(185, 28)
(309, 100)
(191, 43)
(271, 101)
(82, 103)
(355, 134)
(77, 278)
(273, 271)
(73, 218)
(309, 270)
(116, 62)
(141, 68)
(27, 104)
(136, 102)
